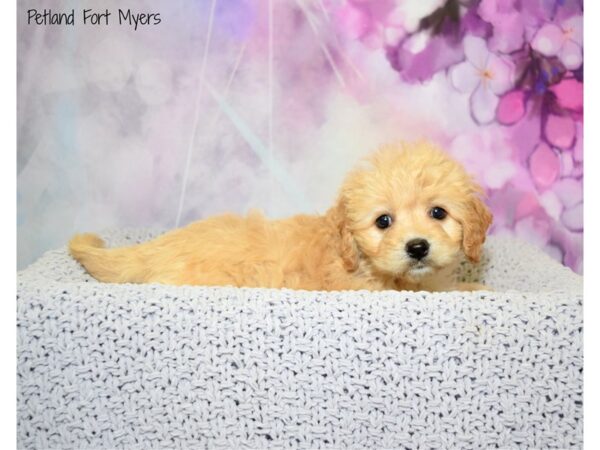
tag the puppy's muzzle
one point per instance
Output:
(417, 248)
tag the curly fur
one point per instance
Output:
(342, 249)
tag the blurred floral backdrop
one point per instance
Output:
(224, 106)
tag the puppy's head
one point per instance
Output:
(410, 210)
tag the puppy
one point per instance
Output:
(403, 219)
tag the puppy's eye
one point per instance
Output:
(438, 213)
(384, 221)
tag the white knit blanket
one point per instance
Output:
(140, 366)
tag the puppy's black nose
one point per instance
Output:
(417, 248)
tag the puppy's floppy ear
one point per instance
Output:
(476, 219)
(346, 244)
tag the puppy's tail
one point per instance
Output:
(110, 265)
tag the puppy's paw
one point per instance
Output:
(470, 287)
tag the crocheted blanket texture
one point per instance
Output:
(141, 366)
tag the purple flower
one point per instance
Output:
(564, 41)
(544, 165)
(434, 42)
(569, 94)
(511, 107)
(421, 55)
(486, 154)
(555, 94)
(559, 130)
(508, 23)
(485, 76)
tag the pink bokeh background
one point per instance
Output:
(231, 105)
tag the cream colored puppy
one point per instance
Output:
(403, 219)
